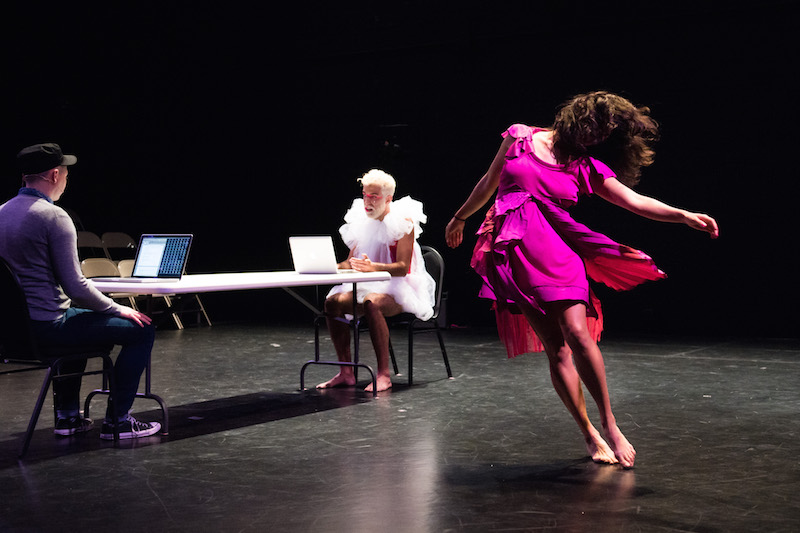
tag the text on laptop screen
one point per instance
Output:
(161, 256)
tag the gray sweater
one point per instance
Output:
(39, 241)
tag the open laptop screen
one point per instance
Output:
(161, 256)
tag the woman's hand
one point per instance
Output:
(454, 232)
(135, 316)
(702, 222)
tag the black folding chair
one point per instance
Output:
(18, 346)
(434, 264)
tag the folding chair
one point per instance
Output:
(18, 346)
(118, 245)
(434, 264)
(90, 245)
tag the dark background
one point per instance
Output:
(245, 125)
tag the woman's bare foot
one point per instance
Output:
(339, 380)
(383, 382)
(623, 449)
(599, 450)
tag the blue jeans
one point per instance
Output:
(81, 327)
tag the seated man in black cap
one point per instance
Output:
(38, 240)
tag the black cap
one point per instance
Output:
(41, 157)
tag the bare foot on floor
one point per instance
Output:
(622, 448)
(599, 450)
(339, 380)
(383, 382)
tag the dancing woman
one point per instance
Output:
(535, 259)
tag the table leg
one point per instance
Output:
(355, 364)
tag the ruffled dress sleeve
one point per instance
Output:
(524, 136)
(590, 168)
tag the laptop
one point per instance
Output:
(159, 257)
(313, 255)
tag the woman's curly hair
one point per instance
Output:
(607, 127)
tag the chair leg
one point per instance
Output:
(411, 353)
(444, 352)
(108, 375)
(394, 360)
(37, 410)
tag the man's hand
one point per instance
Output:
(135, 316)
(363, 264)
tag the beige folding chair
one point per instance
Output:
(94, 267)
(125, 269)
(90, 245)
(118, 245)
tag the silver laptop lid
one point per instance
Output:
(313, 254)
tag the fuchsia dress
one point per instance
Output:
(531, 251)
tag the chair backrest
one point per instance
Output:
(118, 245)
(16, 339)
(99, 266)
(434, 264)
(90, 245)
(126, 267)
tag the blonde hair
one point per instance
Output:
(381, 178)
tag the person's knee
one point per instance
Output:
(371, 308)
(149, 333)
(577, 336)
(374, 313)
(332, 306)
(372, 302)
(338, 304)
(557, 349)
(552, 339)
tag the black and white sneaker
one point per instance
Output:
(130, 428)
(71, 425)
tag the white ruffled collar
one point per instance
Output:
(404, 215)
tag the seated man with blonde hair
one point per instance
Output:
(382, 236)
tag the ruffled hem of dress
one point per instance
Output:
(519, 338)
(615, 265)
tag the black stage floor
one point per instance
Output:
(715, 424)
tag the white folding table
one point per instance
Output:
(238, 281)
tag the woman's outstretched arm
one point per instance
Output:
(619, 194)
(481, 193)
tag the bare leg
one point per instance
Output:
(340, 336)
(376, 308)
(591, 369)
(567, 384)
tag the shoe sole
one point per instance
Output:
(133, 434)
(71, 431)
